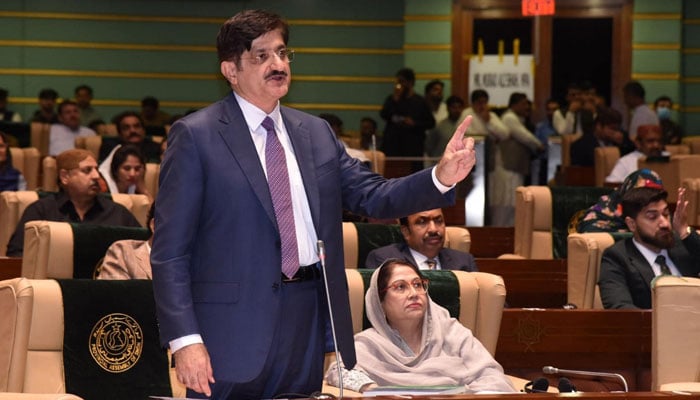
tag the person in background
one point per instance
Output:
(130, 130)
(77, 200)
(512, 161)
(10, 177)
(649, 142)
(127, 171)
(62, 135)
(438, 137)
(368, 133)
(129, 259)
(424, 235)
(673, 132)
(543, 130)
(640, 113)
(407, 117)
(151, 114)
(413, 341)
(83, 98)
(606, 214)
(660, 245)
(566, 119)
(434, 95)
(337, 126)
(247, 188)
(606, 132)
(5, 114)
(47, 107)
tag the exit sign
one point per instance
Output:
(538, 7)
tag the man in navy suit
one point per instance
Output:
(237, 325)
(628, 267)
(424, 233)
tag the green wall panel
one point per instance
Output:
(11, 29)
(327, 92)
(428, 32)
(691, 9)
(379, 66)
(655, 88)
(347, 36)
(656, 31)
(656, 61)
(656, 6)
(691, 65)
(692, 95)
(437, 62)
(691, 124)
(429, 7)
(691, 36)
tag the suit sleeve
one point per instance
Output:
(113, 265)
(180, 198)
(614, 288)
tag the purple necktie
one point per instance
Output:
(278, 180)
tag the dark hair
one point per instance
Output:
(385, 271)
(48, 94)
(8, 161)
(150, 101)
(65, 103)
(370, 120)
(515, 98)
(332, 119)
(454, 100)
(407, 74)
(637, 198)
(479, 94)
(238, 32)
(3, 94)
(117, 120)
(662, 98)
(635, 89)
(608, 116)
(120, 157)
(434, 82)
(83, 87)
(587, 121)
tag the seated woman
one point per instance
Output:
(414, 341)
(127, 172)
(606, 214)
(10, 177)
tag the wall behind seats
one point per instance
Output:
(347, 51)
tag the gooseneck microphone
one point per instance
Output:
(552, 370)
(322, 256)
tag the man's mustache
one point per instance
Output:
(275, 73)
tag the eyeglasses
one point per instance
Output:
(262, 57)
(420, 286)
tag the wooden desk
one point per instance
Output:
(491, 241)
(617, 341)
(530, 283)
(10, 268)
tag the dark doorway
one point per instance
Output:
(506, 29)
(582, 53)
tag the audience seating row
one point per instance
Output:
(13, 204)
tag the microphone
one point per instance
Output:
(552, 370)
(322, 256)
(539, 385)
(565, 385)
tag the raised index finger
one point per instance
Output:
(462, 129)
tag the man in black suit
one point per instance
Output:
(424, 233)
(659, 246)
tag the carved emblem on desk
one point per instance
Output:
(529, 332)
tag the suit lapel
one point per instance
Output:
(639, 263)
(301, 142)
(234, 132)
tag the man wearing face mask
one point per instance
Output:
(673, 132)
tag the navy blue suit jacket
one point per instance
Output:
(216, 251)
(449, 258)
